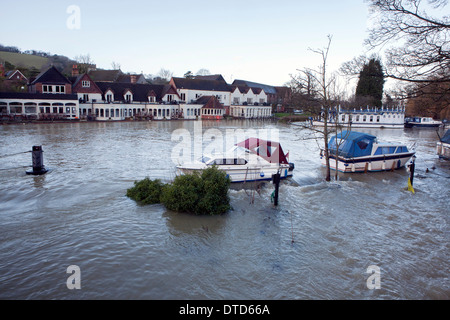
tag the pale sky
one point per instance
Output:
(261, 41)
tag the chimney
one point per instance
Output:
(133, 79)
(75, 71)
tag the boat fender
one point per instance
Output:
(291, 166)
(261, 174)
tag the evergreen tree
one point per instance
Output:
(370, 84)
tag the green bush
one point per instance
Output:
(200, 194)
(146, 191)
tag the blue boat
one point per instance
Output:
(361, 152)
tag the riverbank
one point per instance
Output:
(289, 118)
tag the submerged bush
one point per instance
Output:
(200, 194)
(146, 191)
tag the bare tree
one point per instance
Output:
(420, 51)
(85, 63)
(203, 72)
(317, 89)
(115, 65)
(164, 74)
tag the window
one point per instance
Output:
(183, 96)
(85, 97)
(86, 84)
(128, 98)
(109, 97)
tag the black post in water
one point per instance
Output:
(38, 161)
(276, 181)
(411, 170)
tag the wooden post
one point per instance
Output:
(412, 166)
(276, 181)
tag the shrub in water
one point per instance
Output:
(205, 193)
(198, 194)
(146, 191)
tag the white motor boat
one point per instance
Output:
(361, 152)
(251, 160)
(422, 122)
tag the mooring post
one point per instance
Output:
(38, 161)
(276, 181)
(411, 171)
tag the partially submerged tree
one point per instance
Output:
(318, 91)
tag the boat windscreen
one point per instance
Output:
(205, 159)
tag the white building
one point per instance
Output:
(42, 106)
(190, 90)
(369, 117)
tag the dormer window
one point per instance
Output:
(86, 84)
(128, 97)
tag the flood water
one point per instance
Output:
(317, 244)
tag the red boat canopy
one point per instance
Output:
(269, 150)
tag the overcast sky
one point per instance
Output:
(261, 41)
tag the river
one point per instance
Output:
(317, 244)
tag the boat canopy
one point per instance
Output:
(269, 150)
(352, 144)
(446, 137)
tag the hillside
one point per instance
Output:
(24, 60)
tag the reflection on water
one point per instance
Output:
(317, 244)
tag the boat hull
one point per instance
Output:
(246, 174)
(369, 164)
(421, 125)
(361, 125)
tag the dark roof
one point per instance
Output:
(245, 89)
(37, 96)
(105, 75)
(51, 76)
(126, 78)
(217, 77)
(267, 89)
(200, 84)
(210, 102)
(140, 92)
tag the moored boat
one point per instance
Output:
(361, 152)
(443, 146)
(250, 160)
(422, 122)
